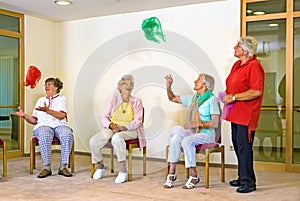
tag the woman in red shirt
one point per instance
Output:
(244, 90)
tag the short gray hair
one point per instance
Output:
(249, 43)
(126, 77)
(208, 80)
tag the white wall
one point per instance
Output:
(92, 54)
(40, 44)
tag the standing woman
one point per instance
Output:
(244, 90)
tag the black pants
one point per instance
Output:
(244, 153)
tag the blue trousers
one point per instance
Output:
(45, 136)
(244, 153)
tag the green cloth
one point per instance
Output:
(201, 99)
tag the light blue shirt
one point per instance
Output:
(206, 109)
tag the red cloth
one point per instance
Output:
(242, 78)
(32, 77)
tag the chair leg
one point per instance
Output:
(167, 163)
(72, 159)
(112, 160)
(130, 163)
(222, 164)
(32, 157)
(92, 169)
(206, 168)
(144, 161)
(187, 172)
(4, 159)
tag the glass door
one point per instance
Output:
(11, 86)
(276, 25)
(296, 93)
(269, 142)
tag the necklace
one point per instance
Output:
(50, 99)
(124, 106)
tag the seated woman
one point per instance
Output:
(201, 119)
(122, 120)
(50, 119)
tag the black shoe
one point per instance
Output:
(235, 183)
(245, 189)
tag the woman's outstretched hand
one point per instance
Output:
(19, 113)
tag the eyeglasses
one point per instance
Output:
(48, 84)
(239, 46)
(127, 83)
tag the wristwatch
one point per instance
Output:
(233, 98)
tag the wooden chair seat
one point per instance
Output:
(35, 142)
(202, 147)
(4, 157)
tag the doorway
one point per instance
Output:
(11, 74)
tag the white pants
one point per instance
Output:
(186, 140)
(98, 141)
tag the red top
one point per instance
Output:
(242, 78)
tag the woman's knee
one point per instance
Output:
(186, 142)
(177, 138)
(116, 138)
(175, 131)
(45, 131)
(92, 141)
(65, 130)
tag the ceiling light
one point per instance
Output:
(259, 13)
(63, 2)
(273, 25)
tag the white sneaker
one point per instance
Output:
(122, 177)
(99, 173)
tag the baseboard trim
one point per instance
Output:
(139, 157)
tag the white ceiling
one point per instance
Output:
(80, 9)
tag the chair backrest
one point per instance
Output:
(143, 114)
(218, 134)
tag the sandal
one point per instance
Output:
(189, 184)
(169, 182)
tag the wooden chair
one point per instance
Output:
(207, 149)
(130, 145)
(4, 151)
(35, 142)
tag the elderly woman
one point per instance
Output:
(50, 119)
(122, 120)
(244, 89)
(201, 119)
